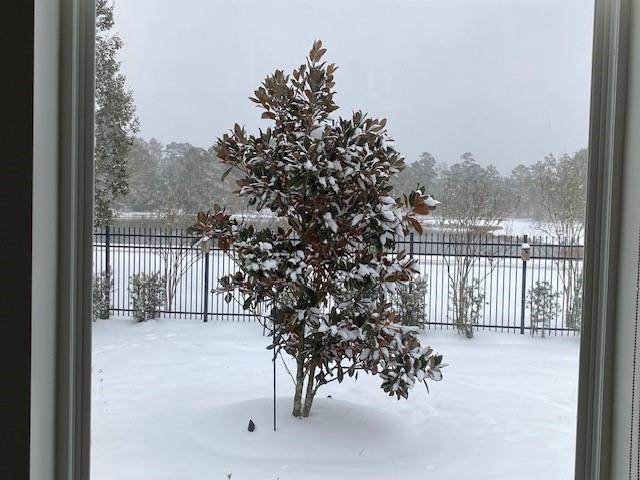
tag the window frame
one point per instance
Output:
(606, 136)
(75, 224)
(606, 151)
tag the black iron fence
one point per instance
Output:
(491, 279)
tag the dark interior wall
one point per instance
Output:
(16, 153)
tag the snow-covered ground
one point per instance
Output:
(172, 399)
(519, 227)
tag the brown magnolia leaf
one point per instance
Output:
(415, 224)
(419, 205)
(421, 209)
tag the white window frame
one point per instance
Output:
(72, 446)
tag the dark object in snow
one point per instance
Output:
(252, 426)
(329, 396)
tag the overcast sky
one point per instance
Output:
(507, 80)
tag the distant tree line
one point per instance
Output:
(551, 190)
(169, 183)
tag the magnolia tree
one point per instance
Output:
(326, 276)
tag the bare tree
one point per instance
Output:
(560, 188)
(176, 180)
(474, 202)
(178, 257)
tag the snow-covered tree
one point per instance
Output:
(142, 177)
(560, 185)
(115, 120)
(475, 200)
(543, 304)
(328, 274)
(424, 171)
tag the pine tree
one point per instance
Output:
(115, 120)
(329, 274)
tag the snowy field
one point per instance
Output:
(171, 399)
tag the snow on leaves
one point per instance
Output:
(328, 272)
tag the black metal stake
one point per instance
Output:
(274, 316)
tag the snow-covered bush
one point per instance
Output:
(574, 312)
(147, 294)
(328, 178)
(543, 305)
(102, 284)
(410, 302)
(467, 302)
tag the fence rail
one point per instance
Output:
(495, 267)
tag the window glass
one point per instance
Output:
(476, 174)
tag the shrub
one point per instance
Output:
(467, 302)
(147, 295)
(543, 303)
(410, 302)
(102, 284)
(574, 314)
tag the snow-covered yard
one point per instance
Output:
(172, 400)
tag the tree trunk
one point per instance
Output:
(297, 399)
(308, 397)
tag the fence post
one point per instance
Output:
(206, 286)
(411, 256)
(411, 245)
(107, 265)
(524, 289)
